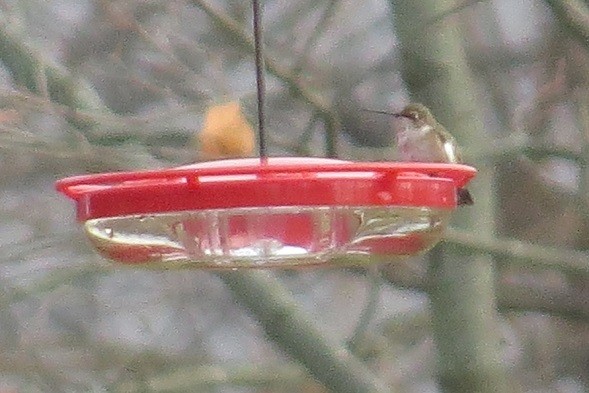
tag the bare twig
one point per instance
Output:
(203, 377)
(316, 33)
(369, 310)
(574, 15)
(452, 11)
(24, 66)
(522, 253)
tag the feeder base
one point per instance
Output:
(267, 237)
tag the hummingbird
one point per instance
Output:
(421, 138)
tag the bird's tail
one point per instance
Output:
(464, 197)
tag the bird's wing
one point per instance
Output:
(448, 148)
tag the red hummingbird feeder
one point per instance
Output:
(267, 212)
(274, 212)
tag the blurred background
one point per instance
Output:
(96, 85)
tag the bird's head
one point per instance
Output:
(418, 113)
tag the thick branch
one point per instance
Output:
(287, 326)
(436, 71)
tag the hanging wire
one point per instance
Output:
(260, 85)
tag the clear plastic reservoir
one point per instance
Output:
(267, 237)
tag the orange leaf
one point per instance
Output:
(226, 133)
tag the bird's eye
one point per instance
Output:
(414, 115)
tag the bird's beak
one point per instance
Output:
(383, 112)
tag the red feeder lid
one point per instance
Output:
(276, 181)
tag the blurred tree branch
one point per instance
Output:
(564, 303)
(521, 253)
(518, 144)
(293, 331)
(316, 33)
(574, 15)
(511, 296)
(461, 6)
(26, 67)
(201, 377)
